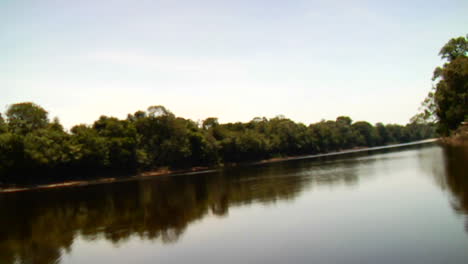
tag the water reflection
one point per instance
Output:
(448, 167)
(454, 179)
(41, 226)
(456, 159)
(35, 227)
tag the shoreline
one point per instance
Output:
(199, 170)
(79, 183)
(458, 138)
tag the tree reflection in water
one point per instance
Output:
(451, 176)
(37, 226)
(456, 160)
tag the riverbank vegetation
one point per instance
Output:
(35, 149)
(447, 102)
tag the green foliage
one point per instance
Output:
(3, 125)
(88, 149)
(46, 148)
(455, 48)
(119, 137)
(451, 95)
(346, 132)
(156, 138)
(367, 135)
(204, 150)
(448, 102)
(210, 122)
(384, 136)
(11, 155)
(26, 117)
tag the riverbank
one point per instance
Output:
(198, 170)
(160, 172)
(459, 137)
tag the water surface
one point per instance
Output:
(399, 206)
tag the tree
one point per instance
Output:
(455, 48)
(46, 148)
(451, 95)
(383, 134)
(344, 120)
(367, 134)
(448, 102)
(11, 155)
(26, 117)
(210, 122)
(3, 126)
(326, 134)
(345, 131)
(120, 137)
(34, 149)
(203, 150)
(159, 110)
(89, 150)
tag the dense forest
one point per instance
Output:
(35, 149)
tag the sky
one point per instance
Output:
(235, 60)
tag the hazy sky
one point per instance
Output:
(307, 60)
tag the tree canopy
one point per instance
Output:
(454, 48)
(26, 117)
(34, 149)
(447, 103)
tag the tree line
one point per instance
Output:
(34, 148)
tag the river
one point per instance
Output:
(404, 205)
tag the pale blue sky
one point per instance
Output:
(307, 60)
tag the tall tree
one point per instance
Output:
(451, 95)
(448, 101)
